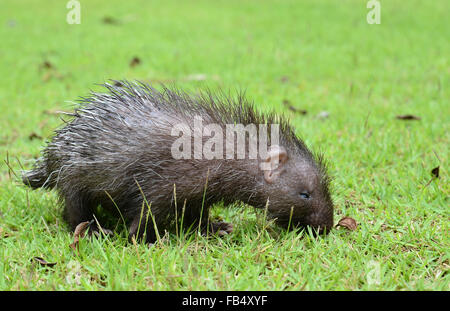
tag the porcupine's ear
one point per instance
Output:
(273, 164)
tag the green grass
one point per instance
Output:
(320, 56)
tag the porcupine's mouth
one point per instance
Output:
(291, 224)
(302, 225)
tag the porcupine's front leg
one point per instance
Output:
(79, 209)
(208, 226)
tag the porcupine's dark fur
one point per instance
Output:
(117, 150)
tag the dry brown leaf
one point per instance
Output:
(407, 117)
(3, 233)
(299, 111)
(43, 262)
(80, 230)
(435, 172)
(348, 222)
(33, 135)
(287, 103)
(135, 61)
(110, 20)
(46, 65)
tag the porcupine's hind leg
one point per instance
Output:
(79, 208)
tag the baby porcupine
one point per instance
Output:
(118, 152)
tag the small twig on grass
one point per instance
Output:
(10, 169)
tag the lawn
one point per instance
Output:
(353, 80)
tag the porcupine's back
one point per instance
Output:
(110, 132)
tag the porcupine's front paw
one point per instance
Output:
(221, 228)
(97, 230)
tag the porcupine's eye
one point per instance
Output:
(304, 195)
